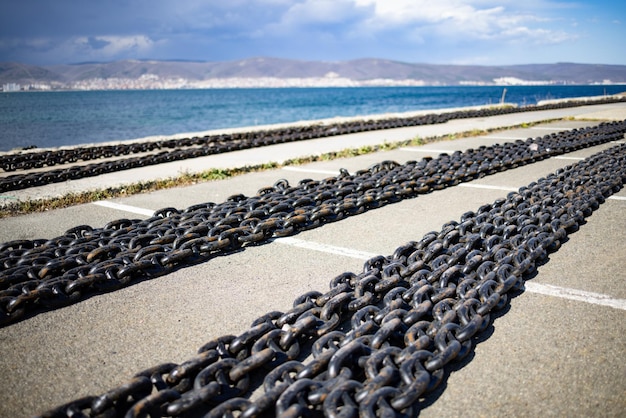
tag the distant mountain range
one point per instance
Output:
(275, 72)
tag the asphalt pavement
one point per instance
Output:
(556, 350)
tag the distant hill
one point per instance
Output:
(278, 72)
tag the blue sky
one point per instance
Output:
(480, 32)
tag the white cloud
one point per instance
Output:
(413, 11)
(463, 20)
(537, 36)
(321, 12)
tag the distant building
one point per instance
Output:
(11, 87)
(514, 81)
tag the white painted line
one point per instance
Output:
(510, 138)
(125, 208)
(561, 157)
(439, 151)
(310, 170)
(574, 294)
(543, 289)
(487, 186)
(618, 142)
(617, 197)
(325, 248)
(549, 128)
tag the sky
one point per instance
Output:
(471, 32)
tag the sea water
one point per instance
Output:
(53, 119)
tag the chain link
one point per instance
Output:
(382, 338)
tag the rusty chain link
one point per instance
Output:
(180, 149)
(38, 275)
(382, 338)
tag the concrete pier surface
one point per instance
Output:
(556, 350)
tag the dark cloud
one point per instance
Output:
(97, 43)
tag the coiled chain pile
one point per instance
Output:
(44, 274)
(180, 149)
(379, 339)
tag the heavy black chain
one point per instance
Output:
(380, 339)
(38, 275)
(180, 149)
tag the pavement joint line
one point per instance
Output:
(310, 170)
(441, 151)
(488, 186)
(125, 208)
(568, 158)
(576, 295)
(617, 197)
(325, 248)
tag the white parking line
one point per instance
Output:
(574, 294)
(310, 170)
(550, 128)
(543, 289)
(325, 248)
(562, 157)
(125, 208)
(433, 151)
(487, 186)
(617, 197)
(510, 138)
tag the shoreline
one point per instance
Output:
(220, 85)
(257, 128)
(310, 122)
(219, 166)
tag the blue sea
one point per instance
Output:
(53, 119)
